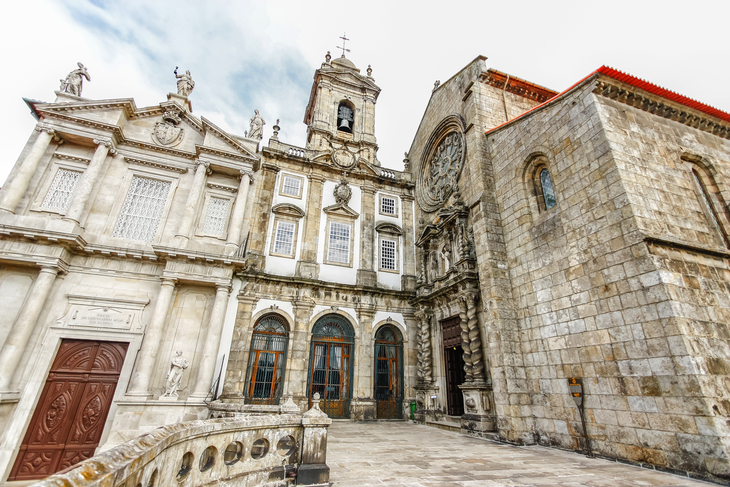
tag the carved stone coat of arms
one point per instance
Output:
(167, 132)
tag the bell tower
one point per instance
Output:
(340, 115)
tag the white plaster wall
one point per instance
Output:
(396, 317)
(336, 273)
(227, 333)
(284, 306)
(389, 280)
(350, 311)
(282, 266)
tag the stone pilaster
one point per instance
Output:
(363, 406)
(366, 275)
(206, 367)
(19, 185)
(88, 179)
(191, 205)
(239, 208)
(262, 208)
(298, 359)
(408, 281)
(235, 375)
(25, 323)
(147, 355)
(307, 266)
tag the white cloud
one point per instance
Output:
(246, 55)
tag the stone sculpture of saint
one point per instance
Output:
(74, 80)
(257, 126)
(175, 375)
(185, 83)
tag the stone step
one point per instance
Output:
(445, 425)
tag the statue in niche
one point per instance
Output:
(257, 123)
(446, 256)
(74, 80)
(185, 83)
(174, 377)
(434, 267)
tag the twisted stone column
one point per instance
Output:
(88, 179)
(468, 374)
(424, 346)
(475, 343)
(17, 187)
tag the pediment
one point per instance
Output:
(341, 210)
(288, 209)
(392, 228)
(426, 234)
(218, 138)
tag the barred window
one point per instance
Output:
(61, 191)
(387, 255)
(142, 210)
(387, 205)
(338, 248)
(216, 216)
(284, 238)
(291, 186)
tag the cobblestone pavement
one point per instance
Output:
(400, 454)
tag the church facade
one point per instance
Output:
(548, 268)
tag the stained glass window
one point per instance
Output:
(216, 216)
(548, 192)
(142, 209)
(61, 191)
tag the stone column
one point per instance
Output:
(366, 275)
(408, 281)
(147, 355)
(25, 323)
(425, 359)
(307, 266)
(466, 349)
(469, 298)
(239, 208)
(18, 186)
(206, 367)
(238, 355)
(191, 205)
(88, 179)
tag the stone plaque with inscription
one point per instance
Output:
(103, 313)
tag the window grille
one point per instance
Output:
(387, 255)
(387, 205)
(61, 191)
(142, 209)
(548, 192)
(267, 361)
(291, 186)
(216, 216)
(338, 249)
(284, 239)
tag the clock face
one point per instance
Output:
(441, 171)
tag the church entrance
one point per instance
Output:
(453, 365)
(330, 365)
(267, 362)
(389, 373)
(69, 418)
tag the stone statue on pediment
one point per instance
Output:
(257, 123)
(74, 80)
(185, 83)
(174, 377)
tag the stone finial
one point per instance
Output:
(289, 406)
(256, 130)
(370, 71)
(406, 161)
(436, 84)
(327, 58)
(74, 80)
(185, 83)
(315, 412)
(276, 129)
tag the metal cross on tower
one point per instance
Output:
(344, 40)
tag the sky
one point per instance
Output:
(246, 55)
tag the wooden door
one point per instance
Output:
(453, 365)
(69, 418)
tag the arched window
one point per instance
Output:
(713, 206)
(345, 117)
(548, 193)
(267, 362)
(389, 372)
(330, 365)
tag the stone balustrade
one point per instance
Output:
(251, 450)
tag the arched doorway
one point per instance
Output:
(267, 362)
(330, 365)
(389, 373)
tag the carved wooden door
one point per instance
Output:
(453, 365)
(71, 412)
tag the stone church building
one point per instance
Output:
(157, 269)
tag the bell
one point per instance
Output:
(344, 124)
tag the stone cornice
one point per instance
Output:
(201, 149)
(66, 157)
(208, 125)
(662, 107)
(156, 164)
(222, 187)
(517, 86)
(191, 255)
(70, 240)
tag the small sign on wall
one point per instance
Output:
(575, 385)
